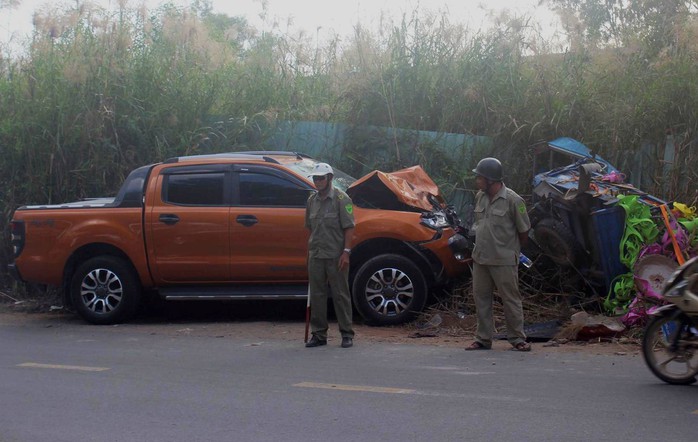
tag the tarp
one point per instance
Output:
(573, 147)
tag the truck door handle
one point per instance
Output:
(169, 218)
(247, 220)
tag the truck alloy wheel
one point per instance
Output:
(389, 289)
(104, 290)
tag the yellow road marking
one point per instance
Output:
(371, 389)
(355, 388)
(62, 367)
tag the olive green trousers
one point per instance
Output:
(324, 274)
(506, 280)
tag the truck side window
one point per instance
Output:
(258, 189)
(194, 189)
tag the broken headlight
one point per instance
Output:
(435, 220)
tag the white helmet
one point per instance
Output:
(321, 169)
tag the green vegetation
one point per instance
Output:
(97, 93)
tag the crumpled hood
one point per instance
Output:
(406, 189)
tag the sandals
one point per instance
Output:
(476, 345)
(521, 346)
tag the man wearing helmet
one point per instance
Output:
(501, 226)
(329, 217)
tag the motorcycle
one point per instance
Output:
(670, 343)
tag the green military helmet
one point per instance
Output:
(489, 168)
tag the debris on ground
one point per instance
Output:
(3, 294)
(583, 327)
(555, 318)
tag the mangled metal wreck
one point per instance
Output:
(603, 235)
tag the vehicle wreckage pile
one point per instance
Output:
(620, 242)
(653, 248)
(598, 244)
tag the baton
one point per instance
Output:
(307, 314)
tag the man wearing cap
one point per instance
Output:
(330, 219)
(501, 227)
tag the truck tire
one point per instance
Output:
(557, 242)
(389, 289)
(105, 290)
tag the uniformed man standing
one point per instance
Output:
(330, 219)
(501, 227)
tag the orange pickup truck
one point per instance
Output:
(230, 226)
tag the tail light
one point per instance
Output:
(17, 237)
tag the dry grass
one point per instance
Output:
(454, 313)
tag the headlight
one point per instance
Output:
(435, 220)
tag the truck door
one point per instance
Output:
(268, 239)
(188, 224)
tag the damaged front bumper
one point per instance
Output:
(452, 257)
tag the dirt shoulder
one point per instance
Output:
(289, 326)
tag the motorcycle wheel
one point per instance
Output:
(672, 364)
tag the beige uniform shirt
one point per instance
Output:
(327, 219)
(497, 224)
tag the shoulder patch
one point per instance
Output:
(349, 208)
(522, 208)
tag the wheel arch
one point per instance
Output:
(425, 260)
(86, 252)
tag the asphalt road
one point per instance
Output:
(63, 380)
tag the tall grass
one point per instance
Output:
(99, 92)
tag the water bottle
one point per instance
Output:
(525, 260)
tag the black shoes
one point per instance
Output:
(316, 342)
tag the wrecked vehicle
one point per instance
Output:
(231, 226)
(577, 222)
